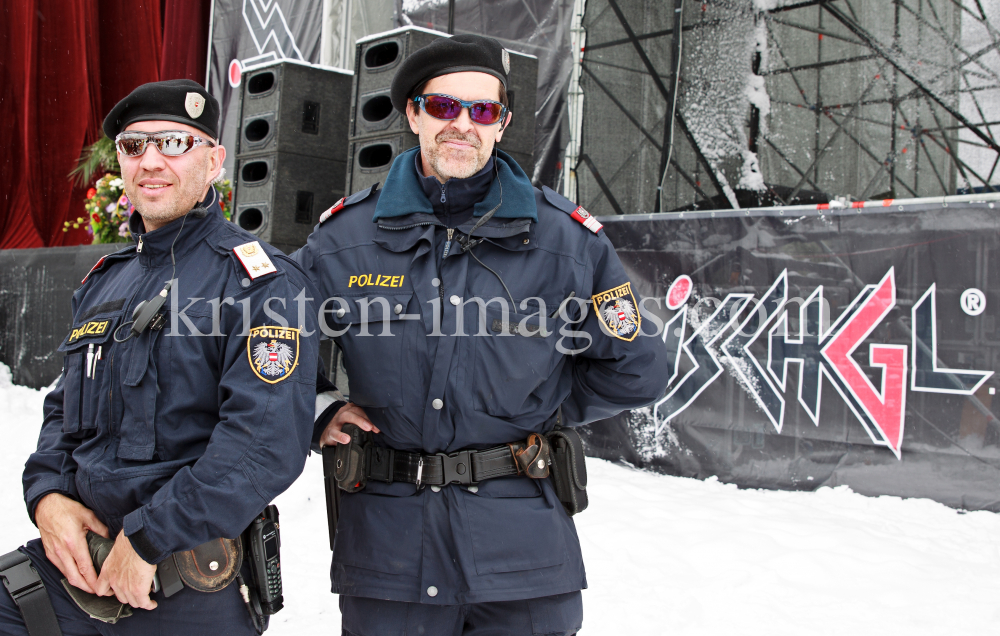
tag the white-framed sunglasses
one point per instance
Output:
(170, 143)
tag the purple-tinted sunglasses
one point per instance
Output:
(484, 112)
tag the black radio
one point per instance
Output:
(265, 560)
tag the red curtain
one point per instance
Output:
(185, 39)
(63, 65)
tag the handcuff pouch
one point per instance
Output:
(569, 469)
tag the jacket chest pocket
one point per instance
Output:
(372, 331)
(140, 387)
(87, 349)
(513, 362)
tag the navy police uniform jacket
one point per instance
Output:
(429, 390)
(181, 438)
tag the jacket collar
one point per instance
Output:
(188, 231)
(510, 189)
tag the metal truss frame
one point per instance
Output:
(905, 131)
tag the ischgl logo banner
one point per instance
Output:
(704, 346)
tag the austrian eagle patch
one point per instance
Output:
(616, 309)
(273, 352)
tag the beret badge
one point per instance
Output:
(506, 61)
(194, 104)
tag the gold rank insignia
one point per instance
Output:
(616, 309)
(273, 352)
(254, 259)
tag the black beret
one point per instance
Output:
(467, 52)
(183, 101)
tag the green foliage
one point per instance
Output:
(98, 157)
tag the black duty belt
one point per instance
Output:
(559, 455)
(465, 467)
(29, 593)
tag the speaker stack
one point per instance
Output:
(291, 149)
(378, 133)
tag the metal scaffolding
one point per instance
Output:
(744, 103)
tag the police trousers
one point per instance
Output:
(560, 615)
(188, 612)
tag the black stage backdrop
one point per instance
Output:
(820, 348)
(251, 33)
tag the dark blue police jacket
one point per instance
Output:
(181, 438)
(507, 538)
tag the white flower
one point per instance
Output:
(116, 183)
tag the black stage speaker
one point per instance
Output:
(282, 194)
(294, 107)
(292, 149)
(378, 132)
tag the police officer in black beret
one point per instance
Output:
(183, 408)
(510, 315)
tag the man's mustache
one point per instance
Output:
(448, 135)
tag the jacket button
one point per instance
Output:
(455, 300)
(437, 403)
(341, 312)
(398, 309)
(435, 489)
(432, 591)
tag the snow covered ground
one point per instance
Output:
(678, 556)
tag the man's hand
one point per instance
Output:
(127, 575)
(63, 525)
(348, 414)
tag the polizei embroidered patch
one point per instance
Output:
(273, 352)
(92, 328)
(616, 309)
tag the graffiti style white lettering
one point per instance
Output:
(818, 350)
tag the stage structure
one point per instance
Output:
(680, 105)
(250, 34)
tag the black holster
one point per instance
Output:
(343, 469)
(569, 469)
(332, 491)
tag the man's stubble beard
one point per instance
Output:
(178, 205)
(440, 163)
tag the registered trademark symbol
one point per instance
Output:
(973, 301)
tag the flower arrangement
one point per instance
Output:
(108, 207)
(225, 189)
(108, 210)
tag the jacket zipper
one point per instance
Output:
(444, 199)
(111, 391)
(407, 227)
(404, 227)
(447, 245)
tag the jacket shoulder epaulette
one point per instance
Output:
(107, 258)
(576, 212)
(357, 197)
(253, 257)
